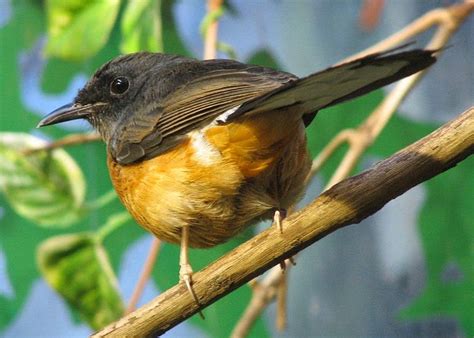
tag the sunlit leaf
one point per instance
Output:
(79, 29)
(45, 187)
(141, 27)
(78, 268)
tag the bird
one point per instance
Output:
(199, 150)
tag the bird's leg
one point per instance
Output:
(185, 270)
(278, 217)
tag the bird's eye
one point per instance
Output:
(119, 85)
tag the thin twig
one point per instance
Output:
(69, 140)
(450, 18)
(344, 136)
(144, 275)
(263, 294)
(348, 202)
(282, 291)
(210, 40)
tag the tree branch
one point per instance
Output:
(263, 293)
(69, 140)
(144, 275)
(210, 41)
(346, 203)
(449, 18)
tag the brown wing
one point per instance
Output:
(208, 97)
(205, 90)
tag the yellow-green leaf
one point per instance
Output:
(78, 29)
(45, 187)
(78, 268)
(141, 27)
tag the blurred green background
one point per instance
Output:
(407, 271)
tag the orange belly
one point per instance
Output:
(218, 181)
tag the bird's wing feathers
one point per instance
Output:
(222, 86)
(206, 98)
(340, 83)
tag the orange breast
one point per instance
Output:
(176, 189)
(208, 180)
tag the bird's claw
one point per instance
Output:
(185, 275)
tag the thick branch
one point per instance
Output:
(346, 203)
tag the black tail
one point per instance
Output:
(341, 83)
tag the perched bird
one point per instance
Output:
(199, 150)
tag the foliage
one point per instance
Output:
(47, 188)
(141, 27)
(78, 29)
(80, 243)
(78, 268)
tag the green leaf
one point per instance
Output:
(78, 268)
(263, 57)
(141, 27)
(79, 29)
(45, 187)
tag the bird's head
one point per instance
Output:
(122, 87)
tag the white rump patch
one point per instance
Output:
(222, 118)
(205, 152)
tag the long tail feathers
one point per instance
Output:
(341, 83)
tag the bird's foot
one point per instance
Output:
(278, 217)
(185, 276)
(283, 263)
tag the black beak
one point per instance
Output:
(69, 112)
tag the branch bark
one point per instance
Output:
(346, 203)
